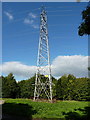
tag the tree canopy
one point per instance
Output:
(68, 87)
(9, 87)
(84, 28)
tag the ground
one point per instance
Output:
(63, 110)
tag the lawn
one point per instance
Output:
(67, 110)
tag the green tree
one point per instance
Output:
(82, 89)
(27, 88)
(70, 87)
(65, 87)
(84, 28)
(61, 87)
(9, 87)
(59, 94)
(54, 83)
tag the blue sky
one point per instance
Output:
(21, 30)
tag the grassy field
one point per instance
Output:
(67, 110)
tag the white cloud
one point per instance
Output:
(31, 22)
(28, 21)
(35, 26)
(9, 15)
(32, 15)
(76, 65)
(18, 69)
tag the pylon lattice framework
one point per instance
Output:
(43, 82)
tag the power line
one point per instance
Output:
(29, 11)
(49, 7)
(65, 6)
(23, 34)
(47, 10)
(59, 10)
(59, 24)
(22, 19)
(65, 15)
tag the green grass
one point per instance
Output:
(60, 109)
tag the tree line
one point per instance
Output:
(68, 87)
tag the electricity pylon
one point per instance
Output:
(43, 81)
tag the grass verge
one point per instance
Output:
(68, 110)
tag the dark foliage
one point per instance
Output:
(9, 87)
(27, 88)
(84, 28)
(68, 87)
(72, 88)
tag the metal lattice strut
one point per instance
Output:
(43, 82)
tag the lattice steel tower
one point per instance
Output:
(43, 82)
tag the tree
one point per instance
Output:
(9, 87)
(54, 83)
(84, 28)
(27, 88)
(65, 87)
(70, 87)
(61, 87)
(82, 90)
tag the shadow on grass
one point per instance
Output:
(12, 111)
(77, 116)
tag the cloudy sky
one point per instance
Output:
(68, 51)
